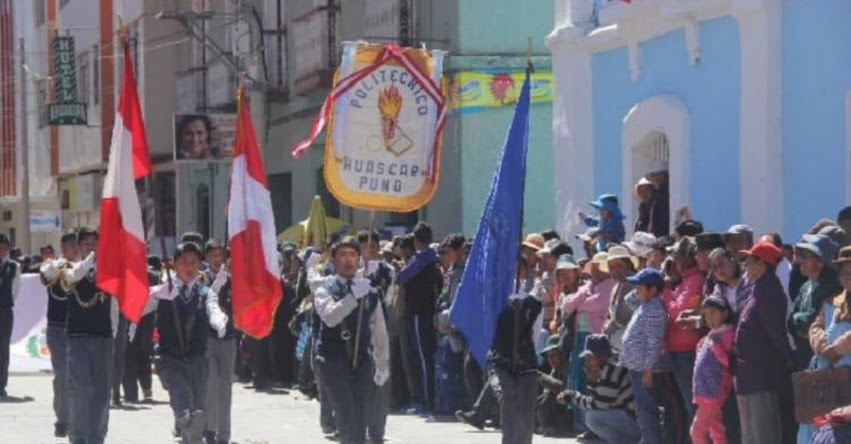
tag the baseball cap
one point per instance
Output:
(765, 251)
(648, 276)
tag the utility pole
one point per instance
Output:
(25, 154)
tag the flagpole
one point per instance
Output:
(521, 261)
(361, 303)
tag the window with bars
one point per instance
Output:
(95, 75)
(83, 78)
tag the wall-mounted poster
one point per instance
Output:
(203, 137)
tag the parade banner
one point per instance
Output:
(479, 90)
(385, 118)
(28, 351)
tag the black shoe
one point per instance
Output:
(209, 437)
(60, 430)
(116, 401)
(3, 393)
(470, 418)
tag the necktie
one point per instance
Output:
(348, 286)
(184, 293)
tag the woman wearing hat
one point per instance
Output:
(829, 334)
(682, 335)
(621, 265)
(589, 304)
(643, 192)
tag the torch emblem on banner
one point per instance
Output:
(389, 106)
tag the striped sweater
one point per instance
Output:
(611, 392)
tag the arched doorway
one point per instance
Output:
(656, 129)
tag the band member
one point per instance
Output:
(10, 283)
(221, 352)
(351, 344)
(381, 277)
(57, 337)
(92, 319)
(185, 312)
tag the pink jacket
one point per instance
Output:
(687, 296)
(591, 301)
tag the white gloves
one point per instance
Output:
(221, 332)
(220, 280)
(312, 261)
(371, 267)
(517, 296)
(81, 269)
(360, 288)
(381, 377)
(49, 270)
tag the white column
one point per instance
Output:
(573, 149)
(760, 139)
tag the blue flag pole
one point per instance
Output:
(487, 280)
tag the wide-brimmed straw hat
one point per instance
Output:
(621, 252)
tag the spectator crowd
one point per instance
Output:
(688, 336)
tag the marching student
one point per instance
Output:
(381, 277)
(91, 324)
(185, 312)
(10, 283)
(221, 351)
(352, 351)
(57, 337)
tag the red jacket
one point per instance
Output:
(687, 296)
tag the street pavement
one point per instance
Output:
(258, 418)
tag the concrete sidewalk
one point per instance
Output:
(258, 418)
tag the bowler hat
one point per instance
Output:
(709, 241)
(598, 346)
(820, 245)
(553, 344)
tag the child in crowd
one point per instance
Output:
(643, 351)
(713, 379)
(610, 221)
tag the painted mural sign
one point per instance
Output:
(478, 90)
(28, 351)
(67, 110)
(385, 119)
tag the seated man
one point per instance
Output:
(609, 408)
(553, 419)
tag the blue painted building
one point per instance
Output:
(747, 100)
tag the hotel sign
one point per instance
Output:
(67, 110)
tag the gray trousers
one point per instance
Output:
(185, 381)
(221, 357)
(119, 350)
(377, 410)
(349, 392)
(517, 406)
(89, 380)
(760, 418)
(57, 343)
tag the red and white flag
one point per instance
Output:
(121, 265)
(256, 287)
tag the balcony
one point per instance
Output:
(315, 49)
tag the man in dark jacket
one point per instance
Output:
(422, 282)
(660, 214)
(762, 348)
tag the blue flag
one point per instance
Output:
(492, 264)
